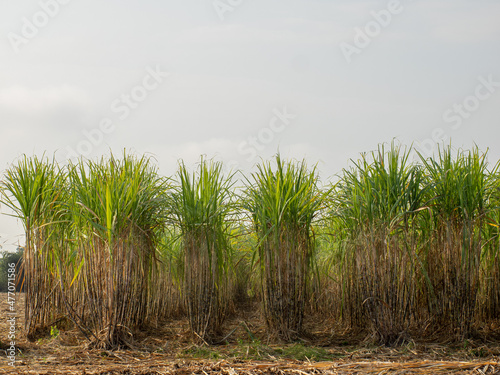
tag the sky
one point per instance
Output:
(238, 80)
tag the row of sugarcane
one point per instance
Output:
(394, 246)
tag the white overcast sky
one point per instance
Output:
(66, 67)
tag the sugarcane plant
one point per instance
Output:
(489, 299)
(283, 201)
(374, 219)
(35, 189)
(457, 196)
(201, 206)
(118, 210)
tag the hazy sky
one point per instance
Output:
(236, 79)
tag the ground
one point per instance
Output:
(169, 349)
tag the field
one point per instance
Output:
(395, 266)
(169, 350)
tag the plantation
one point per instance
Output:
(392, 253)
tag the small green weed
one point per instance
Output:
(201, 352)
(54, 332)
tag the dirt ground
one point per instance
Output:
(169, 349)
